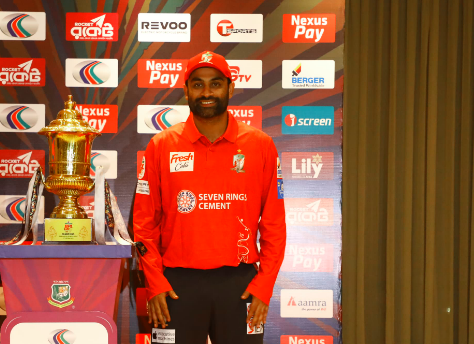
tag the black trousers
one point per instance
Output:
(209, 304)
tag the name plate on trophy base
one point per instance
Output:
(67, 231)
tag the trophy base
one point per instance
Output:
(68, 208)
(60, 212)
(68, 231)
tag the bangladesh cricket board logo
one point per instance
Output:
(60, 295)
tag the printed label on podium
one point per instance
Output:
(67, 230)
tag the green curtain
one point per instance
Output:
(407, 275)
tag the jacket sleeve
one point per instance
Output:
(147, 214)
(272, 229)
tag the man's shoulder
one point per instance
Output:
(251, 133)
(173, 131)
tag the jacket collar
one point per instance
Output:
(193, 134)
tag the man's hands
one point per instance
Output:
(158, 309)
(258, 310)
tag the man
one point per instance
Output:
(205, 188)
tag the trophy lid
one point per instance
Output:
(69, 120)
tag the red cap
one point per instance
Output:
(207, 59)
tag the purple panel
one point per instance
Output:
(66, 251)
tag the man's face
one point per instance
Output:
(208, 92)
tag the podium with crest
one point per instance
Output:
(68, 292)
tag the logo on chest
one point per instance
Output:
(238, 162)
(186, 201)
(181, 161)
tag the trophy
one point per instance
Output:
(70, 143)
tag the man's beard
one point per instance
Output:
(208, 112)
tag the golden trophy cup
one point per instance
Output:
(70, 144)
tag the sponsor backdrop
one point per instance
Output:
(124, 62)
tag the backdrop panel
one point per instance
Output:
(123, 62)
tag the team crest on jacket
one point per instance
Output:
(60, 295)
(186, 201)
(142, 170)
(238, 162)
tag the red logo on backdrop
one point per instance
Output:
(142, 338)
(20, 163)
(140, 155)
(309, 28)
(91, 26)
(308, 258)
(101, 117)
(309, 211)
(87, 202)
(296, 339)
(223, 26)
(236, 76)
(22, 72)
(251, 115)
(161, 73)
(308, 165)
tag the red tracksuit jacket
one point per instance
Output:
(199, 204)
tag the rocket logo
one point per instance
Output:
(99, 23)
(309, 212)
(91, 26)
(20, 163)
(22, 72)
